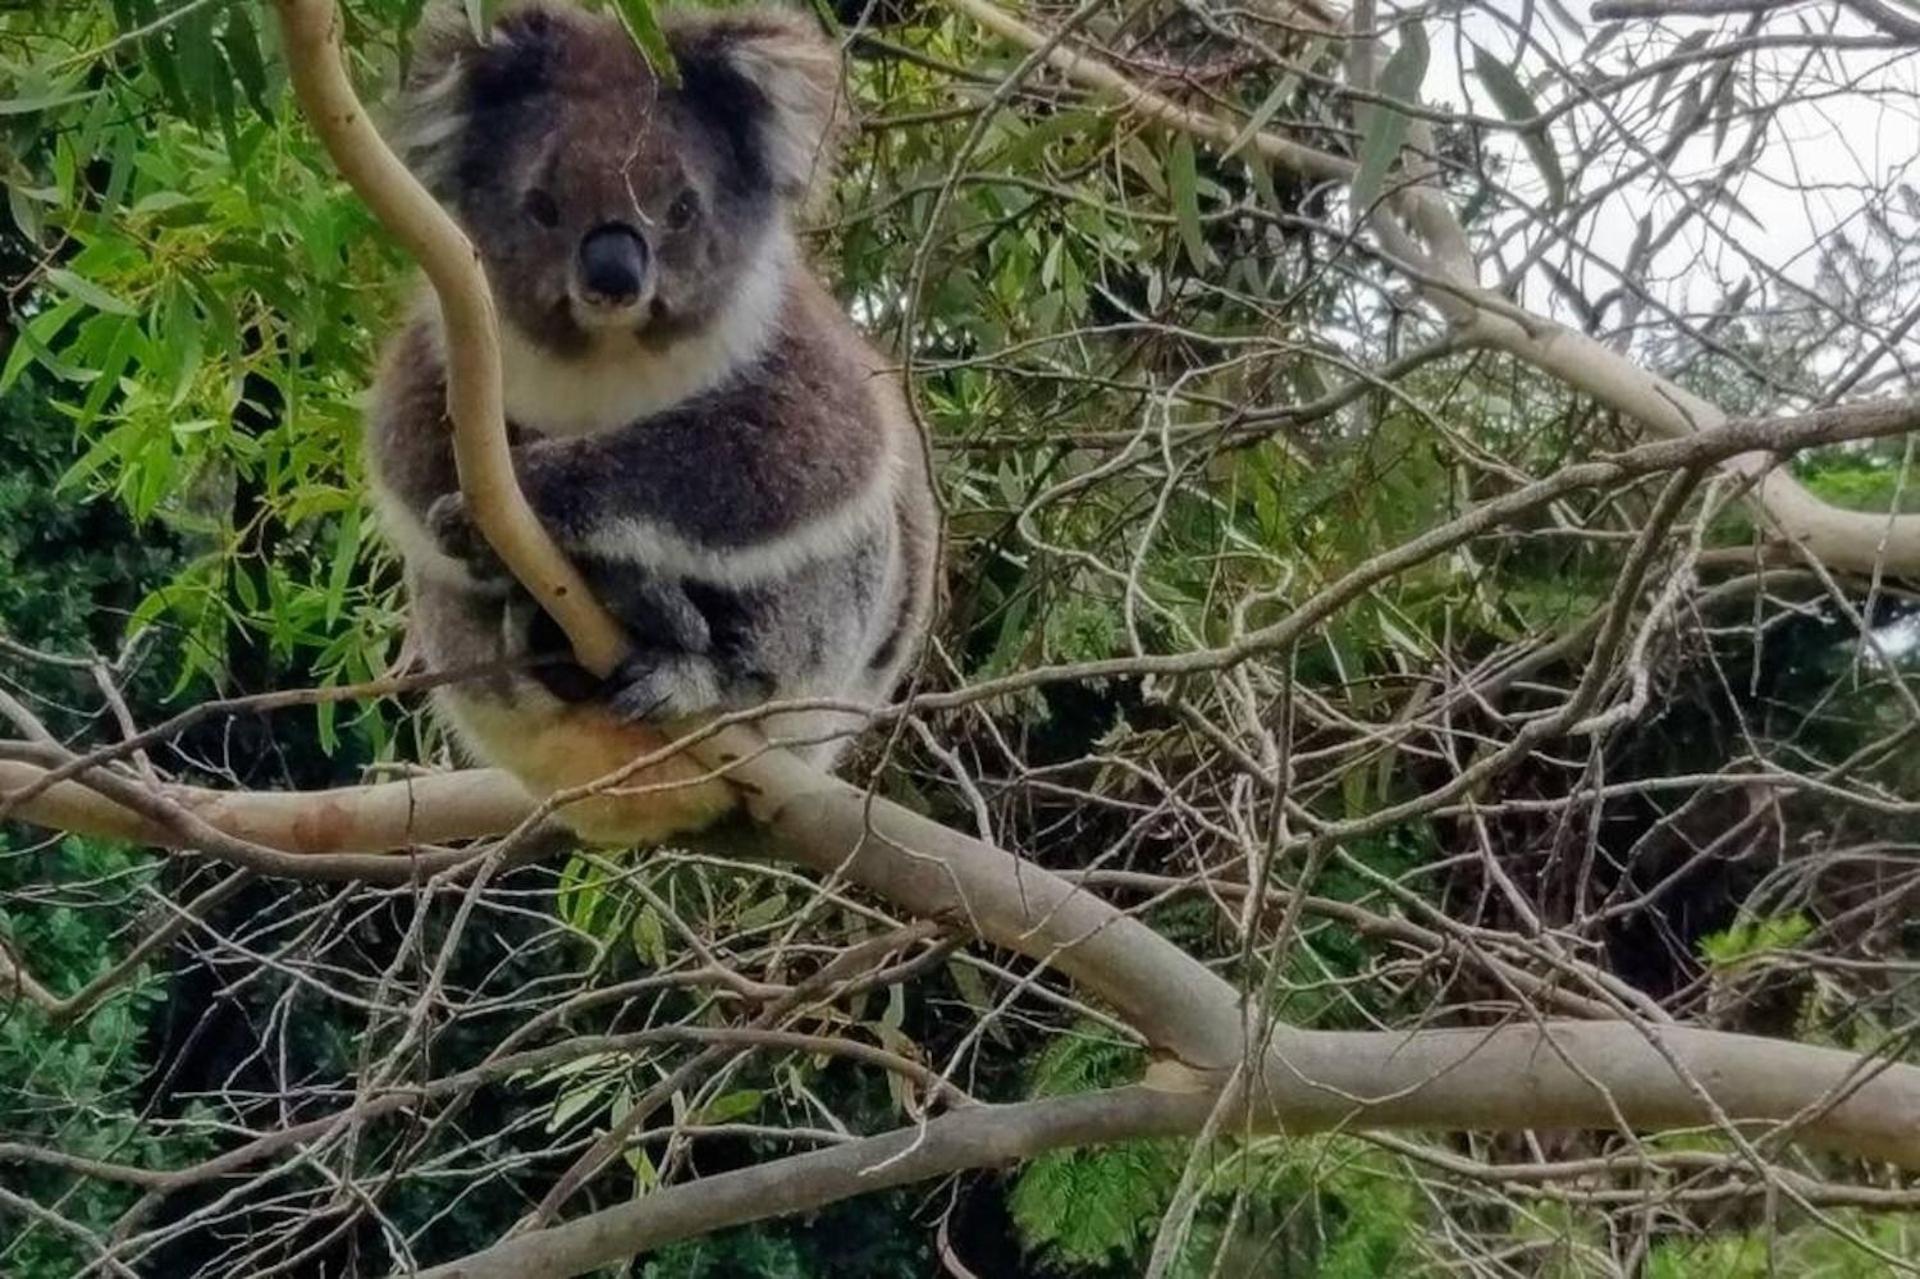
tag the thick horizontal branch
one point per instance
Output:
(1579, 1076)
(426, 811)
(1516, 1077)
(977, 1137)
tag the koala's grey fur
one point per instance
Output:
(722, 454)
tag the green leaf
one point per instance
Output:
(42, 102)
(1382, 128)
(26, 215)
(346, 554)
(895, 1014)
(575, 1102)
(1406, 70)
(732, 1106)
(643, 24)
(1289, 85)
(1183, 182)
(1080, 128)
(1262, 177)
(762, 912)
(82, 289)
(1515, 103)
(1145, 162)
(650, 937)
(1274, 100)
(180, 344)
(33, 340)
(1750, 937)
(120, 172)
(326, 717)
(480, 17)
(645, 1176)
(244, 589)
(202, 71)
(113, 361)
(243, 53)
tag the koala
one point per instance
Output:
(690, 414)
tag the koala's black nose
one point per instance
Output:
(613, 263)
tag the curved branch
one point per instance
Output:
(1523, 1076)
(976, 1137)
(1851, 541)
(311, 32)
(1568, 1074)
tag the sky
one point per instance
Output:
(1824, 156)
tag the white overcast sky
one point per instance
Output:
(1841, 144)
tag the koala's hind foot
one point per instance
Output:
(655, 684)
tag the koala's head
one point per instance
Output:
(602, 199)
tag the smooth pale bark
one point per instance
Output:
(1851, 541)
(1552, 1074)
(977, 1137)
(1545, 1074)
(438, 808)
(1475, 1080)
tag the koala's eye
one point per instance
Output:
(683, 212)
(541, 208)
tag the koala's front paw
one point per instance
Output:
(455, 534)
(656, 685)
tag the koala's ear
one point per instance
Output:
(441, 40)
(774, 82)
(451, 76)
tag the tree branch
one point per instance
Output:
(1515, 1076)
(976, 1137)
(386, 817)
(311, 31)
(1521, 1076)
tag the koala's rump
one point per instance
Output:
(510, 721)
(552, 746)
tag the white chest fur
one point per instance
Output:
(618, 381)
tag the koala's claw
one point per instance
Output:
(651, 685)
(456, 535)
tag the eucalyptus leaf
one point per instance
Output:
(1183, 182)
(82, 289)
(1289, 85)
(480, 17)
(643, 24)
(1384, 130)
(1516, 104)
(733, 1105)
(242, 44)
(27, 105)
(1277, 97)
